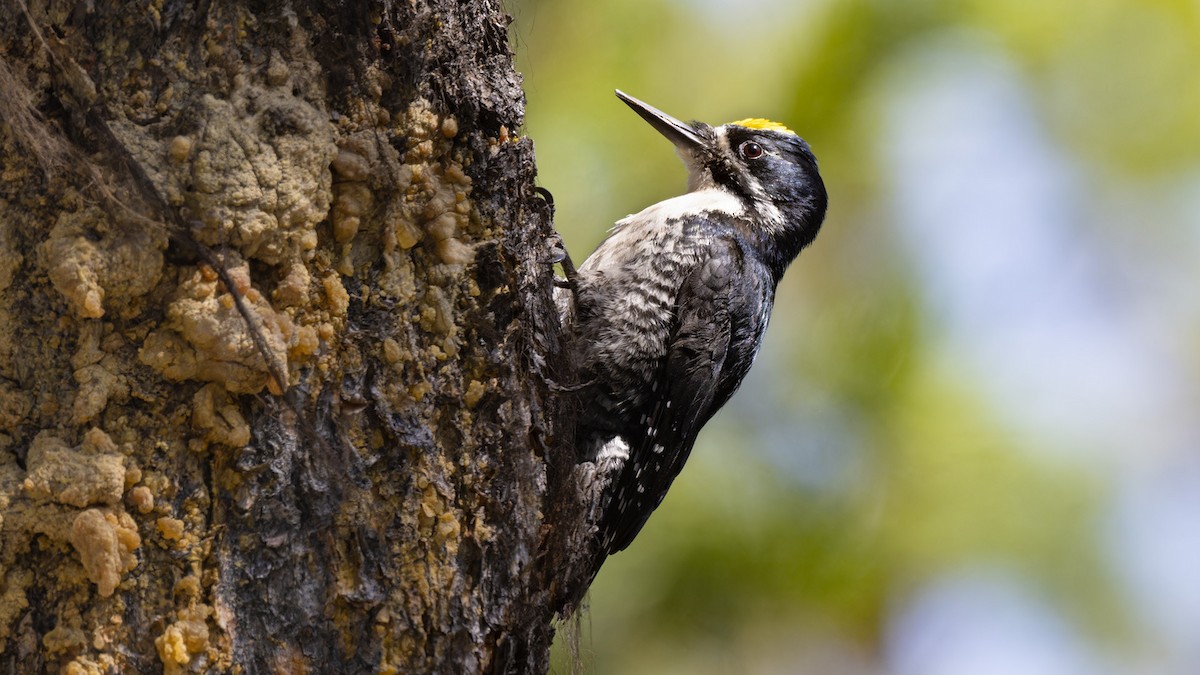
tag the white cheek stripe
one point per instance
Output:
(772, 218)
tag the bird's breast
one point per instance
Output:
(629, 287)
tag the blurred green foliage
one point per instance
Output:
(745, 567)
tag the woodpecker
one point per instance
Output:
(669, 311)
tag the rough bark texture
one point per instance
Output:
(400, 503)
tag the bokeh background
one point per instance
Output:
(971, 444)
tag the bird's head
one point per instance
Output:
(770, 169)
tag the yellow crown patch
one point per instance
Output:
(765, 125)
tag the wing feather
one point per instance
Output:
(691, 386)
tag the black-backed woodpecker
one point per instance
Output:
(669, 311)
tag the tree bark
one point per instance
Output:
(276, 330)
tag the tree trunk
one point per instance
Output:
(276, 325)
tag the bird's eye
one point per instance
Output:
(750, 150)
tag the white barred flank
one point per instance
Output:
(615, 448)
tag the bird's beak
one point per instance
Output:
(682, 134)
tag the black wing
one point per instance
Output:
(720, 317)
